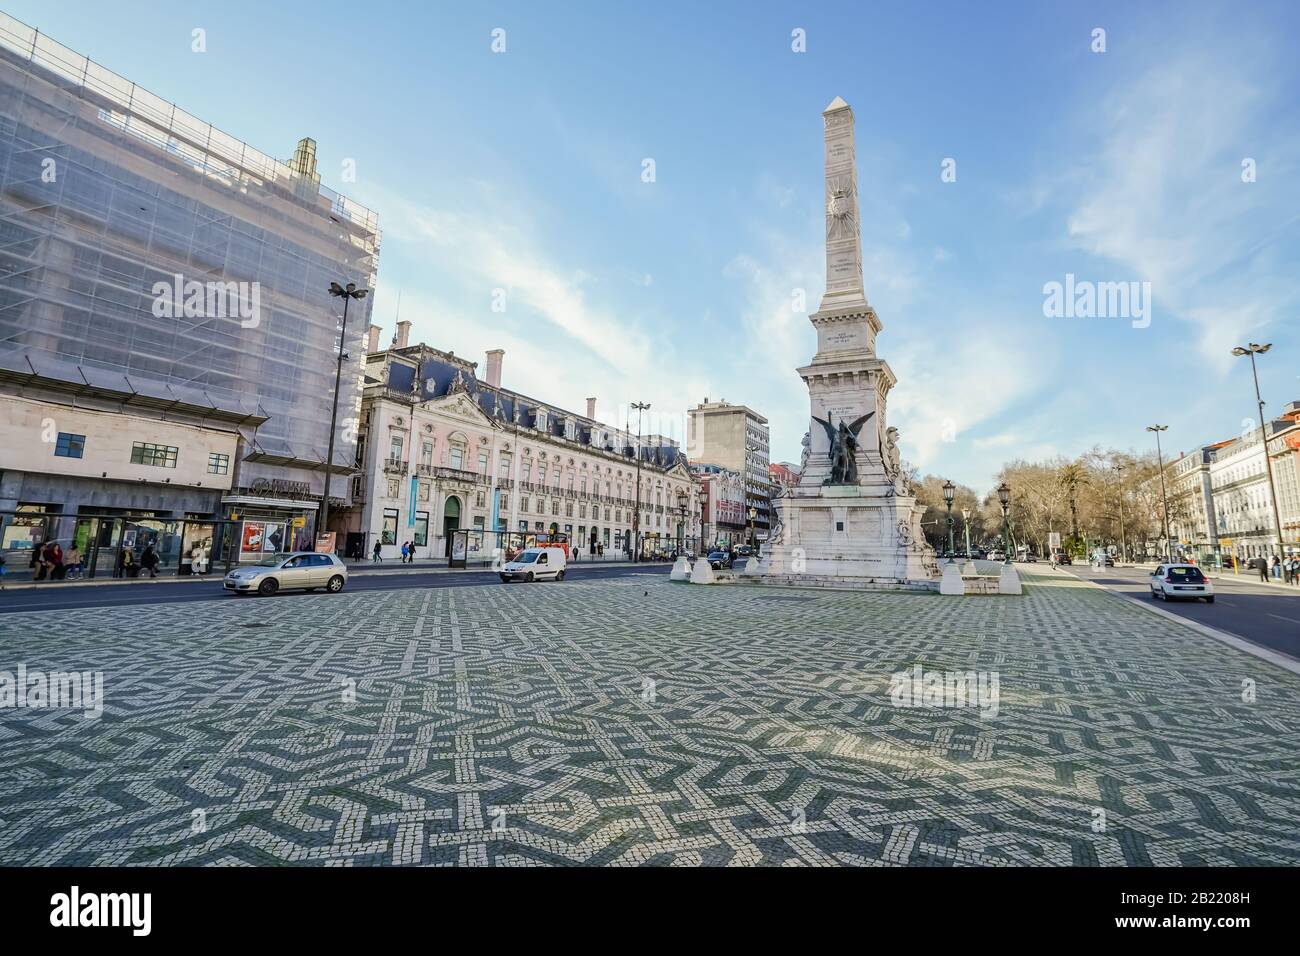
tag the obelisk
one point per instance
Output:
(851, 520)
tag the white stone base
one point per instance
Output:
(951, 582)
(681, 569)
(1009, 581)
(702, 573)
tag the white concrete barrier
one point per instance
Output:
(681, 569)
(702, 573)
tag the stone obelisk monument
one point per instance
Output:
(851, 521)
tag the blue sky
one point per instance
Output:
(523, 171)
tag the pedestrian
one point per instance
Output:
(55, 554)
(2, 571)
(127, 567)
(149, 561)
(38, 562)
(1295, 569)
(378, 548)
(1262, 565)
(410, 551)
(1277, 567)
(72, 562)
(403, 552)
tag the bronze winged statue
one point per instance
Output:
(843, 448)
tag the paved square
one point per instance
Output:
(641, 722)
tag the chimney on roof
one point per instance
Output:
(403, 334)
(372, 339)
(494, 357)
(591, 409)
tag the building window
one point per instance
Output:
(458, 457)
(393, 490)
(523, 504)
(159, 456)
(424, 490)
(218, 464)
(426, 454)
(422, 528)
(70, 446)
(395, 448)
(482, 462)
(527, 473)
(390, 526)
(478, 500)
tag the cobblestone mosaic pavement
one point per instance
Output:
(641, 722)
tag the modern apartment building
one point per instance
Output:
(442, 450)
(735, 437)
(167, 340)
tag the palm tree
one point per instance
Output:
(1071, 478)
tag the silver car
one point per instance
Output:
(304, 570)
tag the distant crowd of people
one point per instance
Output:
(50, 562)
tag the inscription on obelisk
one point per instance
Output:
(843, 240)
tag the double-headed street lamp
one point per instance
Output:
(347, 293)
(1252, 350)
(1164, 494)
(949, 492)
(1004, 498)
(636, 515)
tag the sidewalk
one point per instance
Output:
(366, 567)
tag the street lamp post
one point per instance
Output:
(681, 525)
(1123, 541)
(1004, 498)
(1253, 349)
(636, 515)
(965, 526)
(347, 293)
(949, 491)
(753, 513)
(1164, 494)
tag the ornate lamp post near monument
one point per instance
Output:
(949, 491)
(636, 515)
(1123, 539)
(965, 527)
(1004, 498)
(753, 513)
(347, 293)
(1252, 350)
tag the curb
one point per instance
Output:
(1224, 637)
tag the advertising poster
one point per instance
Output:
(252, 537)
(274, 539)
(325, 542)
(458, 547)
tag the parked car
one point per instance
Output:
(1180, 581)
(996, 555)
(744, 551)
(1060, 556)
(299, 570)
(719, 560)
(535, 564)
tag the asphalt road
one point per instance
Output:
(55, 598)
(1264, 614)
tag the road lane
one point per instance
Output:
(52, 598)
(1264, 614)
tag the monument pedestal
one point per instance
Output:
(840, 536)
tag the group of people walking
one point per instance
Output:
(1283, 569)
(408, 552)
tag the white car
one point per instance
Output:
(1180, 581)
(535, 564)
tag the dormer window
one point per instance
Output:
(570, 429)
(541, 419)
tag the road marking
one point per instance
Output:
(1282, 617)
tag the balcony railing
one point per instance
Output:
(398, 465)
(457, 474)
(424, 471)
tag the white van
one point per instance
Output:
(535, 564)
